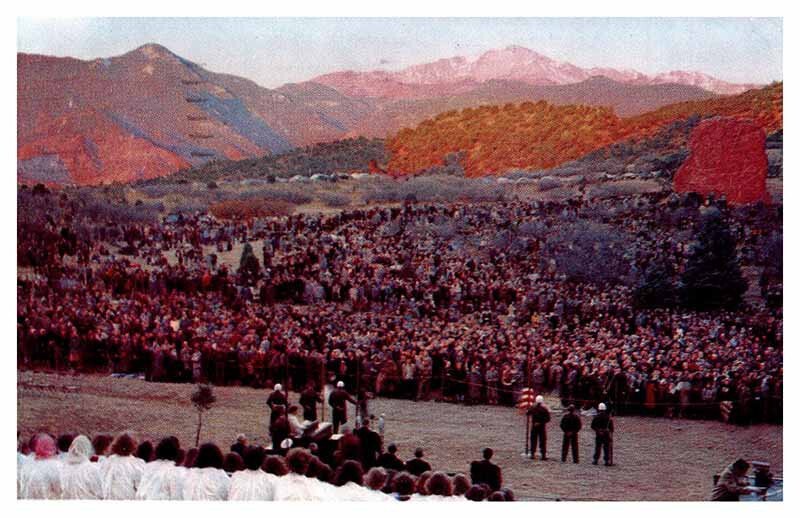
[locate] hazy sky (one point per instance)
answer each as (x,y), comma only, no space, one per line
(274,51)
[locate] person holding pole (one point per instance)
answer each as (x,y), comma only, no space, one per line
(540,416)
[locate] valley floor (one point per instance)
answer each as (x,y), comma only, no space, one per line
(656,459)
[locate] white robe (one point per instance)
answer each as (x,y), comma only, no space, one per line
(206,484)
(21,461)
(252,485)
(352,492)
(81,481)
(121,476)
(40,480)
(161,480)
(416,497)
(299,488)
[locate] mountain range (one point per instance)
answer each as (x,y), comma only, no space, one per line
(150,112)
(513,63)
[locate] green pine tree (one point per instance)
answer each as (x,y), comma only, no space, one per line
(656,288)
(713,279)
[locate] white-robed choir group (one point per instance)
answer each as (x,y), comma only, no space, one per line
(46,474)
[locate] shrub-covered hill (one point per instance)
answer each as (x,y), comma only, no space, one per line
(341,156)
(539,135)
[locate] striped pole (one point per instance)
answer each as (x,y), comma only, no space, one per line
(526,400)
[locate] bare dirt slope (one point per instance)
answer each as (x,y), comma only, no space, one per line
(657,459)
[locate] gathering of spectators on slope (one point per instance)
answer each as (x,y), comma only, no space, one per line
(468,303)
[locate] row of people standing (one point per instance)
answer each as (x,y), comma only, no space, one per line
(539,415)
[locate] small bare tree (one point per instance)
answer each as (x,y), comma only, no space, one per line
(203,399)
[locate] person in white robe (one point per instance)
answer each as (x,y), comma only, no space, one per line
(206,480)
(22,459)
(439,488)
(63,443)
(162,479)
(352,492)
(40,478)
(80,478)
(252,483)
(296,486)
(348,483)
(121,472)
(374,482)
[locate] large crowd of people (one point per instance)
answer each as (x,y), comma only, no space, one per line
(105,468)
(458,302)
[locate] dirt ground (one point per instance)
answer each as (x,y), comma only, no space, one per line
(656,459)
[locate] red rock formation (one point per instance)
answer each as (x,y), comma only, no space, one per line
(727,156)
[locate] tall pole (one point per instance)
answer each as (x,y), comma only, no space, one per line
(358,387)
(324,378)
(527,433)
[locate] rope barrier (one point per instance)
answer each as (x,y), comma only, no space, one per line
(576,400)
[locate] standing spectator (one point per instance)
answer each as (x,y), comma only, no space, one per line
(338,400)
(603,427)
(309,399)
(539,415)
(570,425)
(279,430)
(409,379)
(425,372)
(371,445)
(276,399)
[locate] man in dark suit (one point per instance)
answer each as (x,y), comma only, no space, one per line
(570,425)
(277,399)
(417,466)
(240,445)
(338,401)
(371,445)
(486,472)
(603,427)
(390,460)
(279,429)
(540,416)
(348,447)
(308,400)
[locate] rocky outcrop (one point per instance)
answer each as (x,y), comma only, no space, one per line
(727,157)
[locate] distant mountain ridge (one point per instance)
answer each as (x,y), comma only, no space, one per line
(513,63)
(150,112)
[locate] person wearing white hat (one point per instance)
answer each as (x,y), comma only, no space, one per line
(540,416)
(338,400)
(603,427)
